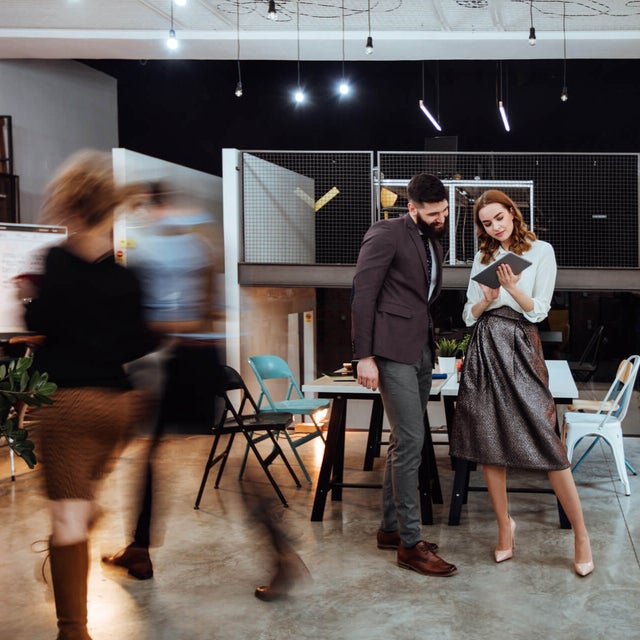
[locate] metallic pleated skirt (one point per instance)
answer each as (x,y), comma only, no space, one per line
(505,414)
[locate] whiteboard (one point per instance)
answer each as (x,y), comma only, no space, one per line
(23,248)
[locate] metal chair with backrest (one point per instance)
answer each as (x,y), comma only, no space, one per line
(269,367)
(255,426)
(583,369)
(605,421)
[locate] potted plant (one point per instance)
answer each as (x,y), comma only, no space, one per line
(463,343)
(447,351)
(20,388)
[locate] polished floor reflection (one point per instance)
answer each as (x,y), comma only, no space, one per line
(209,561)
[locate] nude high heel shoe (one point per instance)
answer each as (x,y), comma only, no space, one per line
(505,554)
(584,568)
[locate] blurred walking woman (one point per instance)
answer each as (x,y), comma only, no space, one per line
(89,310)
(505,414)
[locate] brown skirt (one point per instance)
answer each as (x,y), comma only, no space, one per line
(505,414)
(78,435)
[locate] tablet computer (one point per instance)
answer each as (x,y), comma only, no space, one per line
(489,277)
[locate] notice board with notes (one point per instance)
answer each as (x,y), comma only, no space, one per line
(23,248)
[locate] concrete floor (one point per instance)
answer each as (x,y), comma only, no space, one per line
(211,560)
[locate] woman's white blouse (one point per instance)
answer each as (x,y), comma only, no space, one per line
(537,281)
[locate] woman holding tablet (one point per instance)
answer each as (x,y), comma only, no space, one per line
(505,414)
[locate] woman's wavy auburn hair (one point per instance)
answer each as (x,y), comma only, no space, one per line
(82,192)
(521,238)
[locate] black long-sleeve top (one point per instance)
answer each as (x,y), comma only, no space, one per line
(91,315)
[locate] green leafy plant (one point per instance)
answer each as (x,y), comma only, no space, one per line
(451,347)
(447,347)
(464,343)
(19,388)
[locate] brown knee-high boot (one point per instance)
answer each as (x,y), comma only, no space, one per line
(69,572)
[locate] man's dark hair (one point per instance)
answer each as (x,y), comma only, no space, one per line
(425,187)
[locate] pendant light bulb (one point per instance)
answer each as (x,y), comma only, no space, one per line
(239,89)
(503,115)
(343,88)
(564,96)
(532,36)
(271,14)
(298,96)
(427,113)
(172,41)
(369,46)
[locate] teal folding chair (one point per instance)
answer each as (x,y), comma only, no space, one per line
(275,368)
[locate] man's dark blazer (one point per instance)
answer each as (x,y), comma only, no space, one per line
(390,312)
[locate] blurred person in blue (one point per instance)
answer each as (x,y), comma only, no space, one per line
(90,311)
(175,264)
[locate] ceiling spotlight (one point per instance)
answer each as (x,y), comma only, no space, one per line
(271,14)
(298,96)
(239,85)
(564,96)
(532,30)
(172,41)
(369,46)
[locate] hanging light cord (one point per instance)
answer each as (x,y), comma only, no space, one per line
(298,30)
(369,15)
(564,38)
(437,89)
(238,38)
(343,39)
(531,11)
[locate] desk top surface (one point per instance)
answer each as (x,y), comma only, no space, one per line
(347,385)
(561,382)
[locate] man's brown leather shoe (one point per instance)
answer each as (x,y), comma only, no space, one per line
(424,561)
(391,540)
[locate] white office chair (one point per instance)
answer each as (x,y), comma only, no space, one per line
(606,421)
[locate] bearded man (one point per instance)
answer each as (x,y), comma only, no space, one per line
(398,277)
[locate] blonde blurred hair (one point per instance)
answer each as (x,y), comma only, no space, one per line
(82,192)
(521,237)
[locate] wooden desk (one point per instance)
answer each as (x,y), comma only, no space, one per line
(331,477)
(563,389)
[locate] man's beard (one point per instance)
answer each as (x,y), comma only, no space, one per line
(430,231)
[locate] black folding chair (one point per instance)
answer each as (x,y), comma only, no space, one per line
(583,369)
(256,427)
